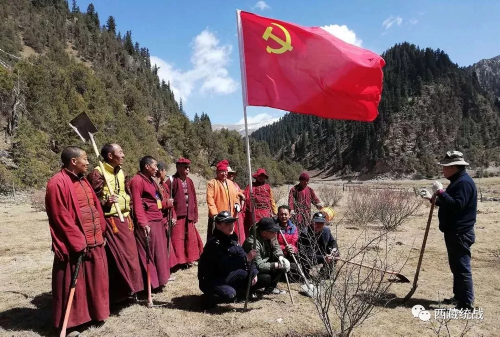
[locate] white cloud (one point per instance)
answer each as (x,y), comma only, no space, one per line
(261,5)
(343,33)
(413,21)
(209,69)
(256,119)
(392,20)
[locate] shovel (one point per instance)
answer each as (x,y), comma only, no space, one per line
(401,278)
(84,128)
(426,234)
(308,288)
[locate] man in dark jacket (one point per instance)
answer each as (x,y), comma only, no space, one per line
(269,260)
(317,246)
(457,217)
(224,267)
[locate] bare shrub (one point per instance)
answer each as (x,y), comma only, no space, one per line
(393,208)
(280,196)
(345,294)
(38,200)
(448,327)
(7,179)
(330,195)
(361,204)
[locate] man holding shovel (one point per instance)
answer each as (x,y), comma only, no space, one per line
(457,217)
(77,227)
(123,259)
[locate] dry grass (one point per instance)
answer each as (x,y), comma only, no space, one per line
(26,263)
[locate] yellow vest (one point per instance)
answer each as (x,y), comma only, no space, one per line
(117,184)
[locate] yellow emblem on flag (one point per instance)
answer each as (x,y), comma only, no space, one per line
(285,45)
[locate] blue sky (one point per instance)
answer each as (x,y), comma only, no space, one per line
(195,43)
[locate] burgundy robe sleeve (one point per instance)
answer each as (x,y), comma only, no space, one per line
(136,188)
(97,203)
(193,195)
(291,203)
(63,224)
(97,182)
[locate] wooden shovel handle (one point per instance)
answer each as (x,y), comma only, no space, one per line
(424,242)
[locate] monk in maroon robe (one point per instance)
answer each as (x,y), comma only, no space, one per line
(300,199)
(263,203)
(239,228)
(123,259)
(186,241)
(77,225)
(147,205)
(168,213)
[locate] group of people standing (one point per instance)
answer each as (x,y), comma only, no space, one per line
(108,230)
(119,227)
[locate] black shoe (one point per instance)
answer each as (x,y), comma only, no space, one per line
(211,301)
(451,300)
(461,306)
(252,297)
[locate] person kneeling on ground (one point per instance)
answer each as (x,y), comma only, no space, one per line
(270,260)
(318,246)
(224,267)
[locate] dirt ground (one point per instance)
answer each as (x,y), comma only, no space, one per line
(26,263)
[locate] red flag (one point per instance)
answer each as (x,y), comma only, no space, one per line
(308,70)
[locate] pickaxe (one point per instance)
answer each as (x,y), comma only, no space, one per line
(84,127)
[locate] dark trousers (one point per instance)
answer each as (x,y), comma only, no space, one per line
(459,255)
(268,281)
(227,290)
(210,227)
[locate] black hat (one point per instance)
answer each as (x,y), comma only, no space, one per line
(268,224)
(224,217)
(319,217)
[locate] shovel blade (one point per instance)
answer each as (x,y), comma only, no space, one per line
(83,126)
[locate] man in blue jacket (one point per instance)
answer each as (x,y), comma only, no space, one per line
(457,217)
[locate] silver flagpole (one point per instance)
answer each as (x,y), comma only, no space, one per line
(247,140)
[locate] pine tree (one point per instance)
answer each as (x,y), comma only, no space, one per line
(111,25)
(128,44)
(74,8)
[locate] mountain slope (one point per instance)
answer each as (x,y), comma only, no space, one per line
(78,64)
(488,74)
(429,105)
(240,128)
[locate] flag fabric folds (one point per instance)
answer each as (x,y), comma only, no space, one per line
(307,70)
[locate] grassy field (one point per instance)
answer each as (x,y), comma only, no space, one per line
(26,263)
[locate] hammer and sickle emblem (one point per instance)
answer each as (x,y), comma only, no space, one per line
(285,45)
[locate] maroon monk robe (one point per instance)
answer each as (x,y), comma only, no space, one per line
(299,201)
(167,213)
(265,206)
(124,269)
(76,223)
(145,193)
(239,226)
(186,241)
